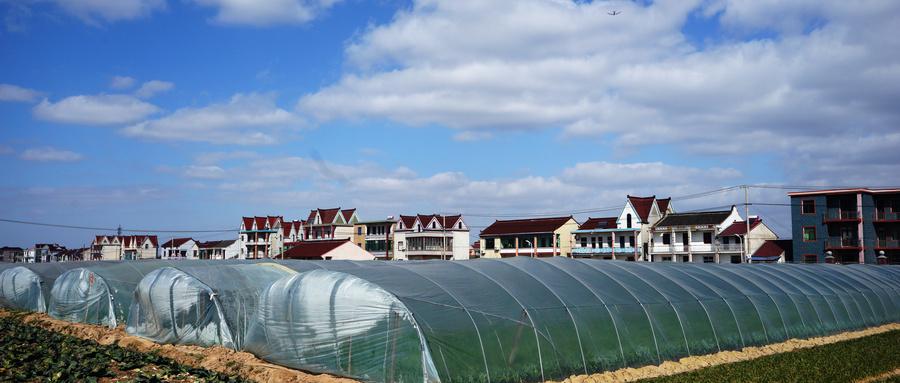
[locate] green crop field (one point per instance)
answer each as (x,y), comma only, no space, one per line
(846,361)
(33,354)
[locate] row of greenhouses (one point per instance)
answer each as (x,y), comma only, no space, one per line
(510,320)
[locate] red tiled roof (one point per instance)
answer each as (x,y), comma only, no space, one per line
(274,220)
(663,204)
(176,242)
(312,216)
(774,248)
(450,220)
(260,222)
(347,213)
(313,249)
(328,215)
(408,221)
(525,226)
(248,223)
(642,205)
(599,223)
(740,227)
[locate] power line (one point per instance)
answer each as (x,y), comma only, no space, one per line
(21,222)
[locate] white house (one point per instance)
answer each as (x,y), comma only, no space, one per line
(732,238)
(260,237)
(124,247)
(693,237)
(180,248)
(625,237)
(327,224)
(431,237)
(224,249)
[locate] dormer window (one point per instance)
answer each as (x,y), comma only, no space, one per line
(628,218)
(434,225)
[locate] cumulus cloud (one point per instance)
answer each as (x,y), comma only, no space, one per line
(153,87)
(104,109)
(50,154)
(245,119)
(96,11)
(121,82)
(266,12)
(827,74)
(9,92)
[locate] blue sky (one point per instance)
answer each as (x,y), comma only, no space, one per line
(158,114)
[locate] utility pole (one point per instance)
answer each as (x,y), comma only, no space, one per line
(747,222)
(443,237)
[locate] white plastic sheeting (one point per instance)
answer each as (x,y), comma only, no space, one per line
(201,305)
(333,322)
(20,288)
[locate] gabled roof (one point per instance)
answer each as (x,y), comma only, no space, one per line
(313,249)
(663,204)
(774,248)
(642,206)
(525,226)
(176,242)
(248,223)
(216,244)
(740,227)
(699,218)
(312,216)
(348,214)
(449,221)
(599,223)
(408,221)
(327,215)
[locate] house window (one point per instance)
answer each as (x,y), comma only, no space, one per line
(628,218)
(685,258)
(631,240)
(707,237)
(583,241)
(667,239)
(434,225)
(359,231)
(725,240)
(709,259)
(809,233)
(622,241)
(667,259)
(459,225)
(810,258)
(488,243)
(808,206)
(593,241)
(609,241)
(735,259)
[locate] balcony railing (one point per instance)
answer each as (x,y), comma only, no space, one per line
(730,247)
(842,243)
(887,216)
(888,244)
(601,250)
(838,215)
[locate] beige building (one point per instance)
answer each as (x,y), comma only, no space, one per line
(124,247)
(533,237)
(327,224)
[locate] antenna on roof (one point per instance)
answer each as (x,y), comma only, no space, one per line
(119,231)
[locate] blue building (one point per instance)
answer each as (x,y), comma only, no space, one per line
(852,225)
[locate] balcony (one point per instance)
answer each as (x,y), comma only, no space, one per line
(730,247)
(887,216)
(839,215)
(887,244)
(682,248)
(529,251)
(600,250)
(843,244)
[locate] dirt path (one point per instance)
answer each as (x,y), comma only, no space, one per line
(692,363)
(217,358)
(880,377)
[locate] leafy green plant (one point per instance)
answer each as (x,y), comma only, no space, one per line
(33,354)
(839,362)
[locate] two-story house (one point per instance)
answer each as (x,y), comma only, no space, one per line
(431,236)
(376,237)
(734,241)
(180,248)
(625,237)
(857,225)
(531,237)
(124,247)
(692,237)
(223,249)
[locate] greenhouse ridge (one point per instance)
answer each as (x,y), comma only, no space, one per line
(520,319)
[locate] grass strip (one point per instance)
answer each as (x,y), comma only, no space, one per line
(33,354)
(846,361)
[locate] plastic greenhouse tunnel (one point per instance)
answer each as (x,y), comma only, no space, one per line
(200,305)
(101,292)
(525,319)
(26,286)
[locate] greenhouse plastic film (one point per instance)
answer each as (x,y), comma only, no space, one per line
(28,286)
(204,305)
(332,322)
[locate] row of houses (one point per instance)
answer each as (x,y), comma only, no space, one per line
(838,225)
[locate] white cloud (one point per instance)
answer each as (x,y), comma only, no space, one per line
(204,172)
(50,154)
(121,82)
(266,12)
(95,11)
(9,92)
(634,79)
(469,135)
(104,109)
(246,119)
(152,88)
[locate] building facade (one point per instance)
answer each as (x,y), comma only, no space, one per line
(731,240)
(694,237)
(328,224)
(261,237)
(601,238)
(186,248)
(376,237)
(851,225)
(124,247)
(224,249)
(431,237)
(533,237)
(12,254)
